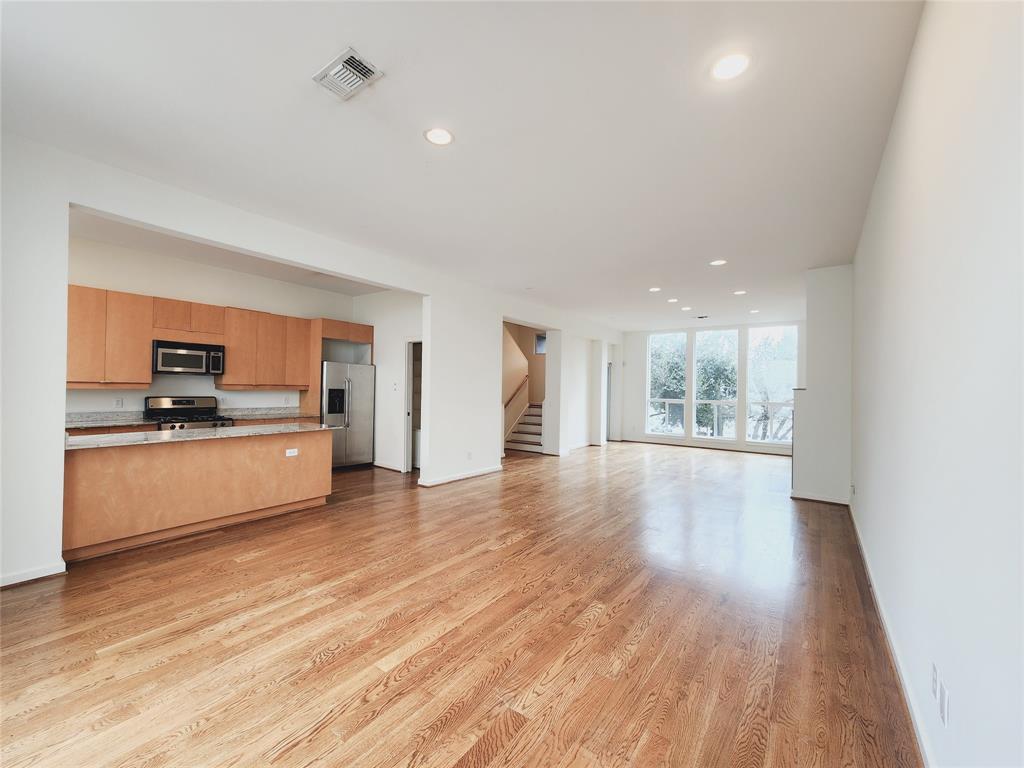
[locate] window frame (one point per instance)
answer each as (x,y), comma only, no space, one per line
(667,400)
(690,436)
(773,405)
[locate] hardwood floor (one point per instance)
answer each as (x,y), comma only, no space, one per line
(632,605)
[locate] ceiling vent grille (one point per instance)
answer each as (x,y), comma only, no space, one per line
(347,74)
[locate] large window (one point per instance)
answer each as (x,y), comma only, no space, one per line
(771,376)
(666,384)
(716,355)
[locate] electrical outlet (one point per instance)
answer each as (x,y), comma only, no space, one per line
(291,451)
(935,682)
(469,455)
(853,489)
(119,402)
(943,703)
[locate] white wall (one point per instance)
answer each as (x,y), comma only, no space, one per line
(397,319)
(576,378)
(822,441)
(462,319)
(101,265)
(616,394)
(937,383)
(598,380)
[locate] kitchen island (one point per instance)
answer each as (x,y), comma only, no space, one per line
(129,489)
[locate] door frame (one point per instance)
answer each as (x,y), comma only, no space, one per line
(407,458)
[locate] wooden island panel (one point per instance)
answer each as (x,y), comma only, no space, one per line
(124,496)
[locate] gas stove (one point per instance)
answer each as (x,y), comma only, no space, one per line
(185,413)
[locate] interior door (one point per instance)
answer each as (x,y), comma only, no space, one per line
(359,449)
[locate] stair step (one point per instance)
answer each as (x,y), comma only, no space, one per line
(529,420)
(528,429)
(523,447)
(519,437)
(536,405)
(532,411)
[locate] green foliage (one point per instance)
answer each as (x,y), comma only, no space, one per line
(668,366)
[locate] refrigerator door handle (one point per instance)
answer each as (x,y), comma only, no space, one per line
(348,405)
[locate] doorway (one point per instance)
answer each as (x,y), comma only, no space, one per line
(608,403)
(413,398)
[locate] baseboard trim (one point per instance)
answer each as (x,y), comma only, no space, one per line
(800,496)
(711,445)
(33,574)
(168,534)
(818,500)
(894,659)
(463,476)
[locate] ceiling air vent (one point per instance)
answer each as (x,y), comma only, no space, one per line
(347,74)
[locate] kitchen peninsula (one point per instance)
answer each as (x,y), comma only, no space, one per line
(127,489)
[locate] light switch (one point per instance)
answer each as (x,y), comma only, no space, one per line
(291,451)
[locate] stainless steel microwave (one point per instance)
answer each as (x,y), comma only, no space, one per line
(182,357)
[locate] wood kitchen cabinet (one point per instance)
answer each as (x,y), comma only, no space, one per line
(87,333)
(270,349)
(360,334)
(241,328)
(172,314)
(129,343)
(207,318)
(296,368)
(110,337)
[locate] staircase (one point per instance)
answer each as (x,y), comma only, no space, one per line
(525,436)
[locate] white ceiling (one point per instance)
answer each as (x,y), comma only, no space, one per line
(86,225)
(593,158)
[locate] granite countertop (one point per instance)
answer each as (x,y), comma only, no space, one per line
(167,436)
(85,419)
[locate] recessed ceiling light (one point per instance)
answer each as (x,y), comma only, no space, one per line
(672,301)
(686,309)
(718,262)
(654,290)
(739,293)
(438,136)
(728,67)
(754,311)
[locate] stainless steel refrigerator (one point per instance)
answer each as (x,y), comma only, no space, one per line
(346,401)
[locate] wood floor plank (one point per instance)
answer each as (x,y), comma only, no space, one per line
(630,605)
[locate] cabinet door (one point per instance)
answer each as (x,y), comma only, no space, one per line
(296,367)
(240,328)
(336,329)
(87,333)
(129,343)
(173,314)
(270,350)
(360,334)
(207,318)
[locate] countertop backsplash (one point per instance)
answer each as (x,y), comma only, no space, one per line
(104,400)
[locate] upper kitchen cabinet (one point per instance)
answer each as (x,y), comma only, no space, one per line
(297,338)
(241,327)
(207,318)
(172,314)
(109,339)
(339,330)
(129,341)
(175,315)
(87,334)
(270,350)
(360,334)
